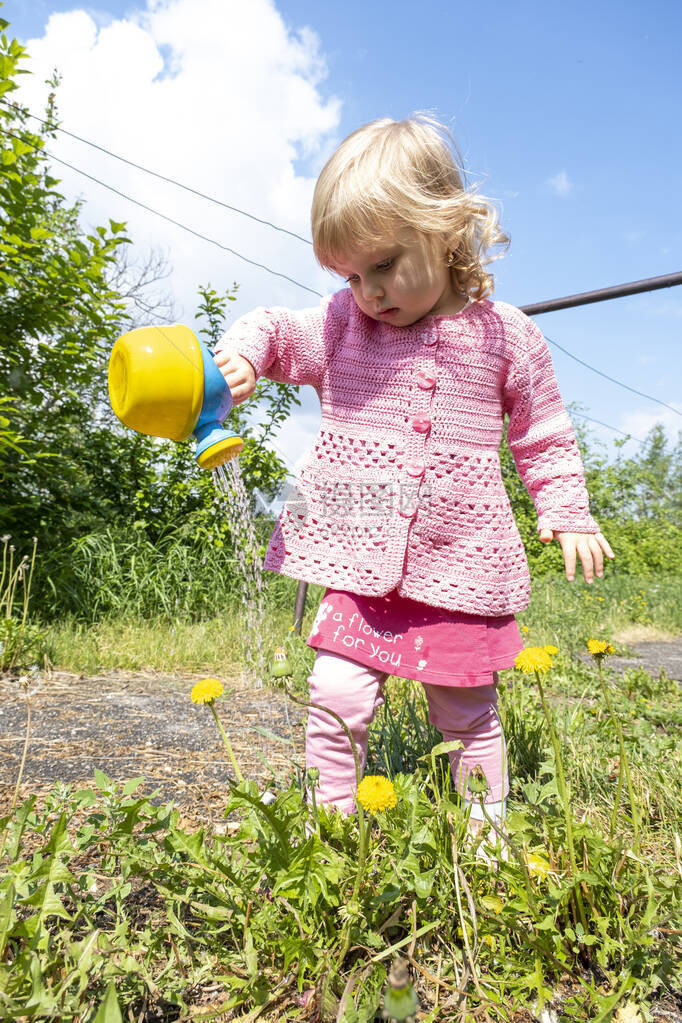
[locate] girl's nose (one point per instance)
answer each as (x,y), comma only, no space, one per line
(371,289)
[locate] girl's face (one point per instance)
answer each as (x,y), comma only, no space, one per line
(401,281)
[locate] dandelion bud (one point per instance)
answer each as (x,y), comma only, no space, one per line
(352,910)
(281,668)
(400,998)
(478,783)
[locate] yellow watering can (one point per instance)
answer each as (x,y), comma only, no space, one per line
(164,382)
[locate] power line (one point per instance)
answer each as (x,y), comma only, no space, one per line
(235,209)
(615,429)
(612,379)
(161,177)
(157,213)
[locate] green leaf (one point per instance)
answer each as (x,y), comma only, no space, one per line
(59,840)
(101,780)
(191,843)
(131,785)
(109,1010)
(18,827)
(212,912)
(85,797)
(40,998)
(423,883)
(7,915)
(48,903)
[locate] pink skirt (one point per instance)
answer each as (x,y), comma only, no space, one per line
(412,640)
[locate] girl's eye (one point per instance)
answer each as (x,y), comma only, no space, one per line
(386,265)
(353,279)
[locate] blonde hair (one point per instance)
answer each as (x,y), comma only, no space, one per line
(391,175)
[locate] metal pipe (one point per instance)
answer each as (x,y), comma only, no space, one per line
(602,294)
(299,610)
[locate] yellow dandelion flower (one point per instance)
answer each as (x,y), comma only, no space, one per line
(493,903)
(551,650)
(206,691)
(376,793)
(524,628)
(533,658)
(599,647)
(538,866)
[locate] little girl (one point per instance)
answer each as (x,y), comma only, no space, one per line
(400,508)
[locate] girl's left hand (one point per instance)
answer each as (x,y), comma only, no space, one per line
(589,547)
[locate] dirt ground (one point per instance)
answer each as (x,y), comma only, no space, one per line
(655,656)
(131,725)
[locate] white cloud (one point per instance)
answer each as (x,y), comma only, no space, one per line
(560,184)
(218,94)
(639,422)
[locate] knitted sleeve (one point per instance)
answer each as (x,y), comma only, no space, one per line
(290,346)
(541,438)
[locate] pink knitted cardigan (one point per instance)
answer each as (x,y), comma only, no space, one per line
(402,487)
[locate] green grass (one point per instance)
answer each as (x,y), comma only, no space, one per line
(105,901)
(621,608)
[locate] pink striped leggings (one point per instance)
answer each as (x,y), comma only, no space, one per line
(354,691)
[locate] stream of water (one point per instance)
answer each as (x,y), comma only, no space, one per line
(249,566)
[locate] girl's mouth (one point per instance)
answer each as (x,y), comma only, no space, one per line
(388,312)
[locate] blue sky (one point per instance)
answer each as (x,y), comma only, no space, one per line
(567,114)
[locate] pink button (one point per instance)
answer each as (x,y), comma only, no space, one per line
(414,468)
(425,380)
(430,339)
(422,424)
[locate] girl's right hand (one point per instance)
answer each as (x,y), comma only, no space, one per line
(239,374)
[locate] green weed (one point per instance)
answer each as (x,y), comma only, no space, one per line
(108,905)
(22,642)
